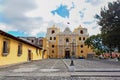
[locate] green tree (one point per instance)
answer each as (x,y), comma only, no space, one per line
(109,19)
(95,42)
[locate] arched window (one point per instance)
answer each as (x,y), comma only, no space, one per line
(53,46)
(67,40)
(81,51)
(83,38)
(81,46)
(50,38)
(52,51)
(53,31)
(79,38)
(81,31)
(54,38)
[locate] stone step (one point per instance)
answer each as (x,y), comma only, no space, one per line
(95,74)
(97,70)
(65,74)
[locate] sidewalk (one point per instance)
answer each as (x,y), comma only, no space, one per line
(92,66)
(59,70)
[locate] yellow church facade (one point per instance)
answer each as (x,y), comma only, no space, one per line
(14,50)
(56,44)
(68,43)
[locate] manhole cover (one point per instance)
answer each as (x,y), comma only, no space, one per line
(49,70)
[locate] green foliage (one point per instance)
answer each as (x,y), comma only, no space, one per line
(95,42)
(109,19)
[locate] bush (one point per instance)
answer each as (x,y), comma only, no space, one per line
(81,57)
(118,58)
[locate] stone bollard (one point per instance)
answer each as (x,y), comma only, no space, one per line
(72,68)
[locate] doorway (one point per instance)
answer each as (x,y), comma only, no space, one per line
(29,55)
(67,54)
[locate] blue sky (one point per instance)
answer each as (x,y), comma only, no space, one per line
(33,17)
(17,33)
(62,11)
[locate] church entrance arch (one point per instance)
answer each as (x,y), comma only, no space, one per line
(67,53)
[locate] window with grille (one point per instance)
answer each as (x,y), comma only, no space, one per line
(19,49)
(6,44)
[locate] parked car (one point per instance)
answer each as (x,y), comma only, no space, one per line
(81,57)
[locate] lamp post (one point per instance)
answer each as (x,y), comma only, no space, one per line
(72,67)
(72,62)
(48,49)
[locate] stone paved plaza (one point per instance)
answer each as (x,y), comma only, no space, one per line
(58,69)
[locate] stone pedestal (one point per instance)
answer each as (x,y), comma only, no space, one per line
(71,68)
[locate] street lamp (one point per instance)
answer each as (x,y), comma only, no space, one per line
(72,67)
(72,62)
(48,48)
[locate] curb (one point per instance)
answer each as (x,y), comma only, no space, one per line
(67,66)
(95,75)
(92,70)
(70,68)
(97,70)
(15,64)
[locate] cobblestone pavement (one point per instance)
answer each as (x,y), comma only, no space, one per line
(60,78)
(57,69)
(93,64)
(38,66)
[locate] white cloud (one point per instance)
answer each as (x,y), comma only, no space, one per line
(6,27)
(34,16)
